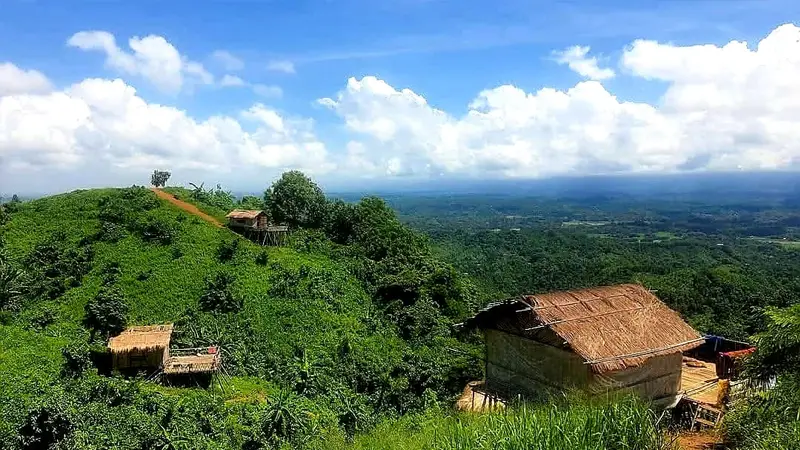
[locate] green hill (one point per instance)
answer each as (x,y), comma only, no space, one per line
(316,327)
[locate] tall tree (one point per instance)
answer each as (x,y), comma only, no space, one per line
(295,200)
(159,178)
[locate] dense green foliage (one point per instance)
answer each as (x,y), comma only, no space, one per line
(342,339)
(771,419)
(699,256)
(295,200)
(318,321)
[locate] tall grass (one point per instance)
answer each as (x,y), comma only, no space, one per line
(619,424)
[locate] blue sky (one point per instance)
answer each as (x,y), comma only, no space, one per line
(445,51)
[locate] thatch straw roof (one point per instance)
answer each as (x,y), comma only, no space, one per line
(244,214)
(141,338)
(610,327)
(199,363)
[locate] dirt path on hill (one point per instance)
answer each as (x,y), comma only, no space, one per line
(188,207)
(703,440)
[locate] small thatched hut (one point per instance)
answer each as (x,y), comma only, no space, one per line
(141,347)
(244,218)
(602,339)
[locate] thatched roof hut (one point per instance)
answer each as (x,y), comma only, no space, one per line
(141,346)
(244,214)
(602,338)
(246,218)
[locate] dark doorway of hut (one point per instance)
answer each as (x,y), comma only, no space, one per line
(256,226)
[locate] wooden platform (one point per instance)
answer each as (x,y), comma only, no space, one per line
(186,364)
(700,384)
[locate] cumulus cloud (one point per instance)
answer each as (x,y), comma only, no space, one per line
(105,121)
(227,60)
(14,80)
(151,57)
(281,66)
(576,58)
(728,107)
(232,80)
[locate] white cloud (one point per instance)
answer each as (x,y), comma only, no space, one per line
(227,60)
(724,107)
(105,122)
(575,57)
(267,90)
(151,57)
(281,66)
(232,80)
(14,80)
(728,107)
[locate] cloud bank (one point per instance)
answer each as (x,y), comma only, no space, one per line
(725,107)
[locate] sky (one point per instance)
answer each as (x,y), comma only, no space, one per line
(358,93)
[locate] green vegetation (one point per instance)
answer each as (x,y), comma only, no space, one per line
(578,424)
(344,335)
(342,339)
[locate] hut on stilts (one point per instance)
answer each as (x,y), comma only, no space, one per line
(147,348)
(255,225)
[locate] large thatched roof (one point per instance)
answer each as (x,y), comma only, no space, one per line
(610,327)
(141,338)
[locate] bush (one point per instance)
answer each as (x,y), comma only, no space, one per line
(217,296)
(262,258)
(44,428)
(110,232)
(227,249)
(106,314)
(13,287)
(156,230)
(76,360)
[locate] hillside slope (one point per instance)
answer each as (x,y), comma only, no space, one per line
(308,340)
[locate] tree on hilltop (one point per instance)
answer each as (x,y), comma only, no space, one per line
(159,178)
(295,200)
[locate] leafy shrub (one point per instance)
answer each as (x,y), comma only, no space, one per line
(55,266)
(217,296)
(155,230)
(13,286)
(110,273)
(176,252)
(106,314)
(227,249)
(144,275)
(110,232)
(42,317)
(76,360)
(44,428)
(262,258)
